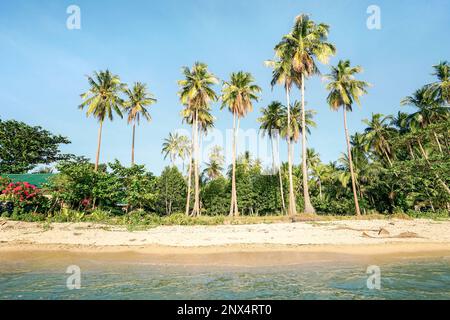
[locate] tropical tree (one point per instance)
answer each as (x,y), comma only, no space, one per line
(271,121)
(377,135)
(196,93)
(306,42)
(215,165)
(238,95)
(136,106)
(441,88)
(284,74)
(344,91)
(174,147)
(102,100)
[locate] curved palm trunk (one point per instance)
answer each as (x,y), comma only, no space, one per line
(274,168)
(188,197)
(438,142)
(98,145)
(233,204)
(292,210)
(132,144)
(350,160)
(196,210)
(308,206)
(442,182)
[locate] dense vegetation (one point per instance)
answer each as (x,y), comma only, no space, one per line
(399,163)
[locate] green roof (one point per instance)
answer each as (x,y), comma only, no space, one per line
(37,179)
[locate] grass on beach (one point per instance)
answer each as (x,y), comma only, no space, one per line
(139,220)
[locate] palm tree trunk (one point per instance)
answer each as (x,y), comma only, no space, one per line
(98,145)
(438,143)
(292,205)
(233,204)
(196,210)
(188,197)
(442,182)
(283,205)
(132,144)
(350,160)
(411,152)
(320,189)
(387,157)
(308,206)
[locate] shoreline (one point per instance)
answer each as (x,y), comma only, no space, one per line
(278,244)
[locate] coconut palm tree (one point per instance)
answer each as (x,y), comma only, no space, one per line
(271,125)
(238,95)
(284,74)
(344,91)
(306,42)
(196,93)
(441,88)
(429,110)
(174,147)
(215,165)
(377,135)
(102,100)
(136,106)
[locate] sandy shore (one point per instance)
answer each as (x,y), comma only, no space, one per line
(249,245)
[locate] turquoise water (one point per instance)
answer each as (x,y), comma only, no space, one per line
(419,279)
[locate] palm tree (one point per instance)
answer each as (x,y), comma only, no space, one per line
(238,95)
(430,110)
(102,100)
(215,165)
(283,73)
(138,99)
(174,147)
(377,135)
(441,88)
(344,91)
(307,41)
(196,93)
(271,125)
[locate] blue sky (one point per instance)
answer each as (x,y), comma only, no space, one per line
(43,64)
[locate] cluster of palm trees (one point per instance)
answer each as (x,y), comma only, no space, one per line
(103,100)
(296,60)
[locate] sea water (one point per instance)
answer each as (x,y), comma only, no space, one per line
(409,279)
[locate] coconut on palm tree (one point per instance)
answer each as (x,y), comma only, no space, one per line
(102,100)
(345,90)
(136,106)
(270,124)
(238,95)
(196,93)
(306,43)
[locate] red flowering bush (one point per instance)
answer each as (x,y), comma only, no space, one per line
(22,194)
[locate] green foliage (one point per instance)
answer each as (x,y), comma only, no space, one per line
(171,191)
(23,147)
(216,197)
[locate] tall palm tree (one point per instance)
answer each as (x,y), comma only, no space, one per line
(102,100)
(306,42)
(284,74)
(377,135)
(441,88)
(136,106)
(238,95)
(271,125)
(344,91)
(196,93)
